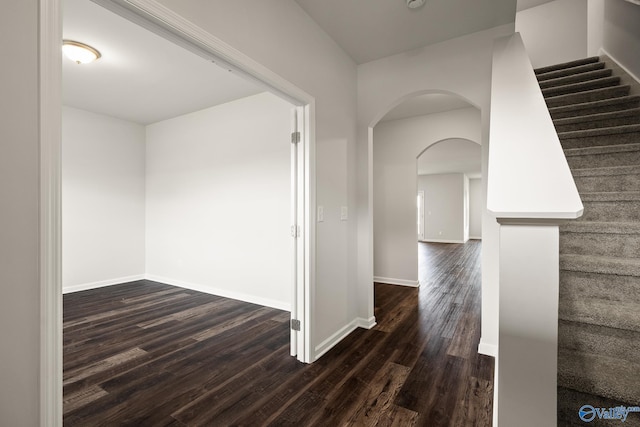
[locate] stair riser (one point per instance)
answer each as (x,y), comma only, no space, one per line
(595,124)
(600,244)
(590,184)
(575,78)
(579,290)
(570,402)
(599,340)
(581,87)
(593,141)
(595,110)
(588,96)
(620,211)
(597,376)
(626,158)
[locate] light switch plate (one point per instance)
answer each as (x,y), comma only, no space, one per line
(344,213)
(320,213)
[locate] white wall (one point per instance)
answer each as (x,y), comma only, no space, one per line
(460,66)
(218,201)
(444,207)
(103,206)
(19,217)
(476,207)
(621,33)
(554,32)
(595,26)
(396,147)
(282,37)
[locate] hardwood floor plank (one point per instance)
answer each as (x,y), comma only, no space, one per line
(149,354)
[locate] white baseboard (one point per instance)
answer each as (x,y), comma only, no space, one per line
(334,339)
(488,349)
(369,323)
(475,237)
(392,281)
(221,292)
(441,241)
(101,284)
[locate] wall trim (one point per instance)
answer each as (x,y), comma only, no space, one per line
(442,241)
(475,237)
(369,323)
(102,283)
(393,281)
(335,338)
(487,349)
(267,302)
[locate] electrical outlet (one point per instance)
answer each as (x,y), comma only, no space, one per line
(320,213)
(344,213)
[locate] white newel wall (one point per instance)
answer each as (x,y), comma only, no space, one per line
(218,201)
(103,185)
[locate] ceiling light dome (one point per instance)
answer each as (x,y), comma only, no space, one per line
(414,4)
(79,53)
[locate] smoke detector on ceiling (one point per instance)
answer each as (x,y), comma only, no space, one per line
(414,4)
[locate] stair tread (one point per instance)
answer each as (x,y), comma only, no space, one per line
(569,152)
(602,375)
(571,71)
(598,91)
(620,315)
(599,339)
(611,130)
(574,78)
(606,171)
(601,227)
(595,104)
(610,196)
(565,65)
(600,264)
(578,87)
(597,117)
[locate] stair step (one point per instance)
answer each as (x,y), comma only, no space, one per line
(600,299)
(604,376)
(595,107)
(600,120)
(614,206)
(581,86)
(579,69)
(601,265)
(614,135)
(594,238)
(565,65)
(598,157)
(615,178)
(588,96)
(575,78)
(601,340)
(570,402)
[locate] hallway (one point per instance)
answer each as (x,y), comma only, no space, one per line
(150,354)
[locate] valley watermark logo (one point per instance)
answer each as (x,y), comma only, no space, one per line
(588,413)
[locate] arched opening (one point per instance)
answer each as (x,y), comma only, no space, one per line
(399,137)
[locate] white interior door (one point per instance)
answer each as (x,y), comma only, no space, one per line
(420,214)
(297,226)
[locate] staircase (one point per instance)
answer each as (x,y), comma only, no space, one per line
(597,118)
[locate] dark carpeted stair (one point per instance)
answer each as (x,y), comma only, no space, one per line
(598,124)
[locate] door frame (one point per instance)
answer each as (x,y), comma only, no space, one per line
(150,13)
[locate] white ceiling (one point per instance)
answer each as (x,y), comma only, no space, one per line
(372,29)
(141,77)
(425,104)
(451,156)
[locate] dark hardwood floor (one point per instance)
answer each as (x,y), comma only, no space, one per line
(148,354)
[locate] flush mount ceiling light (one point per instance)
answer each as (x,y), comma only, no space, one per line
(79,53)
(414,4)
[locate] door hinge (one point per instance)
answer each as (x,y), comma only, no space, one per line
(295,231)
(295,137)
(295,324)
